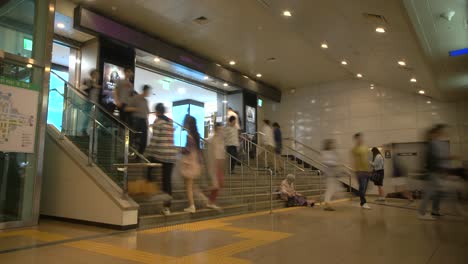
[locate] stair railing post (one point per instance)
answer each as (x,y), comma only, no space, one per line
(349,187)
(248,154)
(63,131)
(242,183)
(92,136)
(320,186)
(126,150)
(271,191)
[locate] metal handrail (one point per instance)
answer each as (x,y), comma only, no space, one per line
(98,123)
(304,145)
(267,151)
(83,96)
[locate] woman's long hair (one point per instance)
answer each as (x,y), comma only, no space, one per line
(190,123)
(375,152)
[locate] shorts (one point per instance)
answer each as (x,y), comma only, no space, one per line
(377,177)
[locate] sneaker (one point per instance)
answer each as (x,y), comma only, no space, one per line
(166,211)
(328,208)
(213,206)
(426,217)
(436,214)
(365,206)
(380,199)
(190,209)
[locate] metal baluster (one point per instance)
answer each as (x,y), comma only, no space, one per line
(126,150)
(242,183)
(320,186)
(271,191)
(65,112)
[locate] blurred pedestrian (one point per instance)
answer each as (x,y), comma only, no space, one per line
(162,150)
(437,165)
(93,91)
(216,161)
(377,164)
(231,137)
(330,159)
(268,142)
(191,160)
(359,155)
(138,106)
(278,137)
(122,93)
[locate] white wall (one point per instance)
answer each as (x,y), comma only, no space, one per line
(72,190)
(385,115)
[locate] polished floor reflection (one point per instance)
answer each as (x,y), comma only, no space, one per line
(389,233)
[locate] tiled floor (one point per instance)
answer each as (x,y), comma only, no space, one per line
(386,234)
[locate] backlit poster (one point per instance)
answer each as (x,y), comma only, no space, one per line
(112,74)
(251,120)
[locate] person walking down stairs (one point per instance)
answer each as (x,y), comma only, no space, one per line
(231,135)
(162,150)
(215,163)
(268,143)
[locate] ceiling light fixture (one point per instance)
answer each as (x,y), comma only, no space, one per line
(413,80)
(380,30)
(287,13)
(428,102)
(422,92)
(206,78)
(359,75)
(259,75)
(372,87)
(225,102)
(60,25)
(232,62)
(324,46)
(157,59)
(29,65)
(226,85)
(343,62)
(245,76)
(402,63)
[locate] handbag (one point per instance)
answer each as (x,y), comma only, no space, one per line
(190,167)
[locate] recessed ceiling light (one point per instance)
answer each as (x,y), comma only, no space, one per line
(206,78)
(60,25)
(428,102)
(29,65)
(287,13)
(324,46)
(402,63)
(232,62)
(359,75)
(245,76)
(422,92)
(380,30)
(259,75)
(226,85)
(225,102)
(343,62)
(217,64)
(157,59)
(372,87)
(413,80)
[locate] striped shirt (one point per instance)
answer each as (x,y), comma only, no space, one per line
(162,141)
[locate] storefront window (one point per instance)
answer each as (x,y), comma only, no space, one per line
(17,27)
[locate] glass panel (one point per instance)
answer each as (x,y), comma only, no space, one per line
(55,110)
(17,26)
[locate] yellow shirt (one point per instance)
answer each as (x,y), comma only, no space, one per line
(360,158)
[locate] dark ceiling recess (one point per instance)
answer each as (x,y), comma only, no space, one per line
(201,20)
(375,18)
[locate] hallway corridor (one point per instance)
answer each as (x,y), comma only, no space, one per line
(386,234)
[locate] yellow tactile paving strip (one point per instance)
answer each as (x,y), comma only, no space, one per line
(224,254)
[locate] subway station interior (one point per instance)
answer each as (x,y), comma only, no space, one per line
(233,131)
